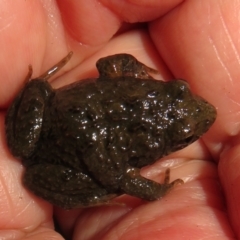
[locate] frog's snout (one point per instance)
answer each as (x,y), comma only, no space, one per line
(206,115)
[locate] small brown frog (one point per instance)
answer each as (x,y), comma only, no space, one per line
(85,143)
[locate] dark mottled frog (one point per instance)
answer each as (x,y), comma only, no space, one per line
(84,143)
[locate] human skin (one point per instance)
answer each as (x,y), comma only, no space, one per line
(193,40)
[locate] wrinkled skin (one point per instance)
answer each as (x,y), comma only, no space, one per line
(84,143)
(197,41)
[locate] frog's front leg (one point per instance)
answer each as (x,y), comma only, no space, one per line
(65,187)
(136,185)
(123,64)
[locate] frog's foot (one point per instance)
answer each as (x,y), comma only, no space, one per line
(120,65)
(167,183)
(136,185)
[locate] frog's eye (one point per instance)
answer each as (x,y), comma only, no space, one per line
(178,90)
(25,118)
(184,90)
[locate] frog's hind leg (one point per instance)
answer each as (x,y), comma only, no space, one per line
(136,185)
(64,187)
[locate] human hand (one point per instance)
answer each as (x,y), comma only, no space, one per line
(193,40)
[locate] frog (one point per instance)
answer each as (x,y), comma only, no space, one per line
(84,144)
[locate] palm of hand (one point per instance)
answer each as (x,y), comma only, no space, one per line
(187,52)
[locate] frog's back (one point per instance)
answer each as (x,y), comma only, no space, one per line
(126,116)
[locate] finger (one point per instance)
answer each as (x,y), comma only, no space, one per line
(229,171)
(140,11)
(29,30)
(95,22)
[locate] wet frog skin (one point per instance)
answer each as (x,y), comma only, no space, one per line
(85,143)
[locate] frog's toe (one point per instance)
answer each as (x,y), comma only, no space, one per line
(167,185)
(167,179)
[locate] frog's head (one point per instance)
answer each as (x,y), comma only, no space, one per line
(191,116)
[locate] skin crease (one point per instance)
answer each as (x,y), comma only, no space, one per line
(194,40)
